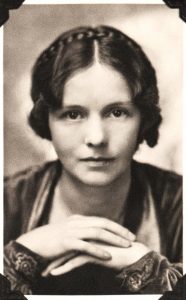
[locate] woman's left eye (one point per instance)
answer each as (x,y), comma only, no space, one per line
(117,113)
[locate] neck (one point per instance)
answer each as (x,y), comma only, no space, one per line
(105,201)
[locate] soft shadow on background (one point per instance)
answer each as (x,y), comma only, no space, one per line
(33,27)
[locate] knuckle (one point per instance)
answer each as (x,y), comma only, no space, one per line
(91,249)
(124,232)
(98,233)
(83,246)
(127,232)
(65,244)
(95,250)
(72,219)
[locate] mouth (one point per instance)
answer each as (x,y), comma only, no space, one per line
(98,161)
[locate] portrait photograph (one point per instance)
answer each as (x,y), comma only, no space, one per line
(92,138)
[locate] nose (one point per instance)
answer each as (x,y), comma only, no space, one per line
(95,132)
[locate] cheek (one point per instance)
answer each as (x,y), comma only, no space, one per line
(64,140)
(124,137)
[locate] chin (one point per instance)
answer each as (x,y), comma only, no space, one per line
(97,180)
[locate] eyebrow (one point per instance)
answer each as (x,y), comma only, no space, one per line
(72,107)
(119,103)
(108,106)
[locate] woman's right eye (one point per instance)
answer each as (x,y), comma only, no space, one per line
(72,115)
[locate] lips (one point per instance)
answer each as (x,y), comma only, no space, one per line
(98,159)
(97,162)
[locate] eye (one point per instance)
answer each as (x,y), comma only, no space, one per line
(118,113)
(72,115)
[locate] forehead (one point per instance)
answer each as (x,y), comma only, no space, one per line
(98,83)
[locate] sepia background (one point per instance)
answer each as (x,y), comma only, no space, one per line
(33,27)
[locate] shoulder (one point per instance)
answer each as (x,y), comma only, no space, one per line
(165,185)
(23,186)
(166,191)
(157,175)
(33,174)
(20,191)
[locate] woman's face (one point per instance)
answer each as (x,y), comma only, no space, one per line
(95,132)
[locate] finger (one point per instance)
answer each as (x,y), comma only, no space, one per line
(58,262)
(99,234)
(105,224)
(73,264)
(88,248)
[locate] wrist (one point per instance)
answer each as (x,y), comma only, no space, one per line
(24,261)
(136,276)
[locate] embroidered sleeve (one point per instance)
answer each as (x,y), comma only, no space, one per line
(152,274)
(22,267)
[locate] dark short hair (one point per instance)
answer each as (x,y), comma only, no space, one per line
(75,50)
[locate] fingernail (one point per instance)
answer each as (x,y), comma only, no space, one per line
(53,273)
(107,255)
(44,274)
(131,236)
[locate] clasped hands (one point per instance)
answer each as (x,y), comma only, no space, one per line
(83,239)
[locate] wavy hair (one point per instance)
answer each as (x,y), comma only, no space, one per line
(75,50)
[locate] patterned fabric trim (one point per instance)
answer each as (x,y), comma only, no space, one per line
(151,271)
(22,266)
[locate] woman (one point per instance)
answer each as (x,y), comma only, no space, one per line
(94,221)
